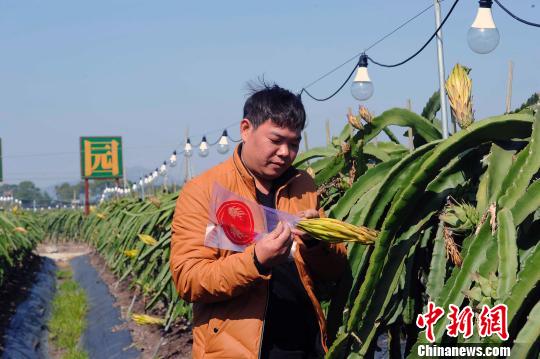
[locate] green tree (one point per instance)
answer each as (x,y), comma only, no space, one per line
(45,200)
(65,192)
(27,192)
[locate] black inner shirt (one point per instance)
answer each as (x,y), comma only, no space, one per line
(290,327)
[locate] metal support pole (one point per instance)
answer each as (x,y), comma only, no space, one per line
(187,163)
(142,190)
(509,87)
(328,136)
(124,175)
(165,183)
(440,57)
(86,197)
(117,181)
(410,131)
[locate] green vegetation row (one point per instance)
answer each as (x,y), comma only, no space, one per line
(68,317)
(133,236)
(20,232)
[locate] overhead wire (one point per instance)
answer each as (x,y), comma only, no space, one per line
(356,56)
(515,16)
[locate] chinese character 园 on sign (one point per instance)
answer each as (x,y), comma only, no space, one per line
(101,157)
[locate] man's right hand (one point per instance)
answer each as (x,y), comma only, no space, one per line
(274,248)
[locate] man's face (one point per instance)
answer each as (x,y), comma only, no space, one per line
(269,149)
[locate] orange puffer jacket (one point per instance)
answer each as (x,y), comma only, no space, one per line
(229,295)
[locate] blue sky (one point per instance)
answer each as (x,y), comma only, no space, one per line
(146,70)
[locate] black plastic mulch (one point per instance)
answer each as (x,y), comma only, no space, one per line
(26,336)
(99,340)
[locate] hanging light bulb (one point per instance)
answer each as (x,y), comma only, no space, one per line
(483,37)
(223,144)
(362,87)
(140,181)
(163,169)
(155,173)
(188,151)
(172,159)
(134,187)
(203,148)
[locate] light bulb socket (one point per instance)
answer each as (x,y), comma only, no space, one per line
(363,61)
(485,3)
(225,133)
(204,139)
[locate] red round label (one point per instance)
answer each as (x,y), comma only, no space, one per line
(236,219)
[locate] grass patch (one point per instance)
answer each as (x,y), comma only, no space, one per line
(68,319)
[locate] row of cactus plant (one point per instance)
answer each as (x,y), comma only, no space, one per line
(454,214)
(20,232)
(459,224)
(133,237)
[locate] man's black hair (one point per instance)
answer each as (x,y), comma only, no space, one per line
(271,102)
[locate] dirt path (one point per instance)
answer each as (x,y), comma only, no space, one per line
(177,342)
(62,252)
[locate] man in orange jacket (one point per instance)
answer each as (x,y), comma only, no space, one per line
(260,302)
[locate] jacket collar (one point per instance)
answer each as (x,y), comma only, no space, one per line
(278,183)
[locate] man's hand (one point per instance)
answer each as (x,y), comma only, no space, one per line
(274,248)
(306,238)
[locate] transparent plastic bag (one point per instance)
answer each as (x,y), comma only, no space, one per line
(236,222)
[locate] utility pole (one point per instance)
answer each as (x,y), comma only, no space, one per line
(124,175)
(409,131)
(328,138)
(509,86)
(440,58)
(86,197)
(187,167)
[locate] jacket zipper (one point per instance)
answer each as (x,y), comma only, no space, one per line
(264,318)
(301,278)
(268,283)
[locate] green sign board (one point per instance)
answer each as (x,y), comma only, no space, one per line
(101,157)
